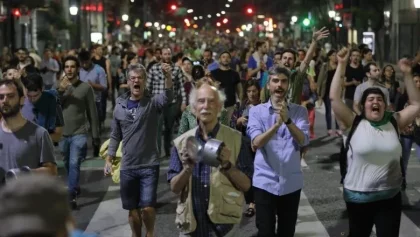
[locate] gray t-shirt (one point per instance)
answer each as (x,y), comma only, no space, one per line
(136,126)
(362,87)
(29,146)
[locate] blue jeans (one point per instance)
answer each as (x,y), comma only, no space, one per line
(73,149)
(406,143)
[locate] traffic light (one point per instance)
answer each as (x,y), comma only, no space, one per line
(16,12)
(306,22)
(173,7)
(250,10)
(187,22)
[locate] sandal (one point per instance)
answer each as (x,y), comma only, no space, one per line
(250,212)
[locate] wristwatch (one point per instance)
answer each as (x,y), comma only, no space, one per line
(289,121)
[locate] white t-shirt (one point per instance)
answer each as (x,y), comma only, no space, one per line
(373,159)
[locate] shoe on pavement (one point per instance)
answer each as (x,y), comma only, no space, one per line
(73,204)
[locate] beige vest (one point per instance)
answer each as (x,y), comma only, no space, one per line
(225,202)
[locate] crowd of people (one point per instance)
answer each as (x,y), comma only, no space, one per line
(259,103)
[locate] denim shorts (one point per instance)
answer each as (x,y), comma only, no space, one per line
(138,187)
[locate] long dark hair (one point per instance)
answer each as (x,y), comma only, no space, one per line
(392,76)
(248,84)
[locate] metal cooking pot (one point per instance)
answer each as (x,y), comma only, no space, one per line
(209,154)
(15,173)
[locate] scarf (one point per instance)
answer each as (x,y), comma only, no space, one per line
(387,117)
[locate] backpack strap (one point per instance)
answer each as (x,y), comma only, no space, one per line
(345,147)
(395,124)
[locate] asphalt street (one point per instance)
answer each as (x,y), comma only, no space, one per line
(321,212)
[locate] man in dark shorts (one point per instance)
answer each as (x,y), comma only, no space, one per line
(134,123)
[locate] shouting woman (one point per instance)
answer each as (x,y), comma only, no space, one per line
(371,169)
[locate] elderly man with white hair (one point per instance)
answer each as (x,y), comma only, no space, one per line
(211,198)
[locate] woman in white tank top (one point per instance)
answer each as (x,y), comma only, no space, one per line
(372,182)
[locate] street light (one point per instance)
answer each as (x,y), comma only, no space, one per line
(73,10)
(331,14)
(417,4)
(124,17)
(294,19)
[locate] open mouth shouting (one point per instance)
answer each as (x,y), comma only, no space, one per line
(136,88)
(375,108)
(279,92)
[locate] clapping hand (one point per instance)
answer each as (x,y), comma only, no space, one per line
(283,113)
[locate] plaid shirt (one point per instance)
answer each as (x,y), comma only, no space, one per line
(156,82)
(201,185)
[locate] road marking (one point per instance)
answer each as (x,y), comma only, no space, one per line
(109,219)
(406,225)
(308,223)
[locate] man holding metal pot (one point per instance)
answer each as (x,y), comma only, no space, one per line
(210,168)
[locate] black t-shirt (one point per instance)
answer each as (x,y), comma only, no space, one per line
(101,62)
(330,76)
(228,80)
(400,103)
(416,69)
(356,73)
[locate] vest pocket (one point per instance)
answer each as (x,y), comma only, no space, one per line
(231,207)
(181,217)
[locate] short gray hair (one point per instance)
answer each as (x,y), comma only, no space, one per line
(137,68)
(276,70)
(193,98)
